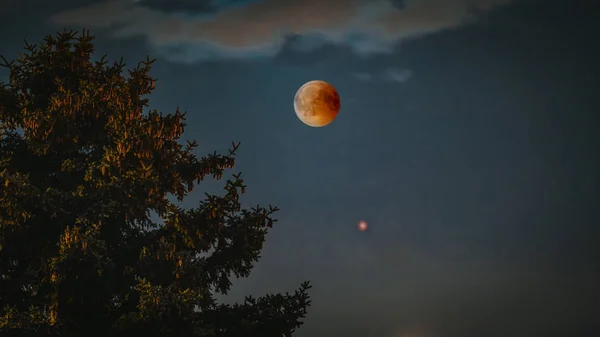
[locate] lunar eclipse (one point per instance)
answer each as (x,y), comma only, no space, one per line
(317,103)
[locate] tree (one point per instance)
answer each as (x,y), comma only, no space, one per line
(82,167)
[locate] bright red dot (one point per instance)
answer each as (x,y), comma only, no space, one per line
(362,226)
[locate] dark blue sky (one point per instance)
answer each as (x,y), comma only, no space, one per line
(477,168)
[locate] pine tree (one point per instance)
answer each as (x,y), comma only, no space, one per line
(83,165)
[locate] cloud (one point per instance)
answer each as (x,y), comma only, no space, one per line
(189,31)
(192,6)
(400,75)
(397,75)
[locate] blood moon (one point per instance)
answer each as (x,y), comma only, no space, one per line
(362,225)
(317,103)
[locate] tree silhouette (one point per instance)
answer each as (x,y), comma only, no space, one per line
(82,167)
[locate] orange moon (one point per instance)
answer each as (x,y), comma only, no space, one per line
(317,103)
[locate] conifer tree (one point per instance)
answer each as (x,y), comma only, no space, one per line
(83,164)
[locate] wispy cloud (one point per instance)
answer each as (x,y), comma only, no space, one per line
(189,31)
(398,75)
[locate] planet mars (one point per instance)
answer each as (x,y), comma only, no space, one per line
(317,103)
(363,226)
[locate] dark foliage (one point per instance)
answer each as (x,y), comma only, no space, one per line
(82,166)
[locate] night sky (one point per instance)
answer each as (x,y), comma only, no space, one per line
(467,139)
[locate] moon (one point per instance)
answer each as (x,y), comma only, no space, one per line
(317,103)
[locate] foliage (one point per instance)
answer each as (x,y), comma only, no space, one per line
(82,166)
